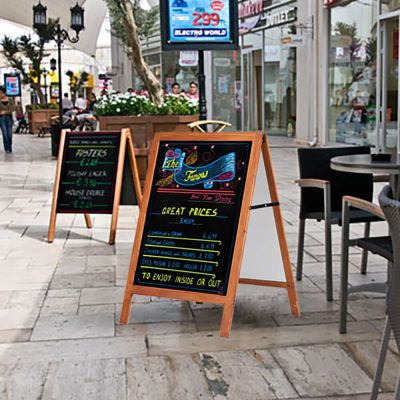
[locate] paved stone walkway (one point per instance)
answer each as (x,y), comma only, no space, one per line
(60,304)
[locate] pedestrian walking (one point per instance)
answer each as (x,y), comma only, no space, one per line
(7,107)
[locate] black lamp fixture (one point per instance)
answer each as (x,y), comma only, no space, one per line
(39,16)
(53,64)
(60,36)
(77,18)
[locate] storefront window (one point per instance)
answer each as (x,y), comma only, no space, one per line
(390,5)
(179,66)
(227,87)
(279,84)
(352,73)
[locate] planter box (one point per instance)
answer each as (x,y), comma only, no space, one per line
(143,130)
(40,119)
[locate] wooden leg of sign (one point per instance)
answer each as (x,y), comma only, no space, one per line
(291,289)
(134,167)
(227,317)
(53,214)
(52,227)
(126,308)
(88,221)
(118,186)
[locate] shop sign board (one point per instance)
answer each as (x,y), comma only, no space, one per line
(199,24)
(12,83)
(293,40)
(340,41)
(272,53)
(222,62)
(188,58)
(254,16)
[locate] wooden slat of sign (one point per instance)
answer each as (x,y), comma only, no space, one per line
(293,300)
(266,233)
(89,176)
(190,234)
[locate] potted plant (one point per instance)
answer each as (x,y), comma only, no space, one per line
(39,116)
(145,118)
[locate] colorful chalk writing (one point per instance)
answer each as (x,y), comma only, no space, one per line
(192,217)
(88,174)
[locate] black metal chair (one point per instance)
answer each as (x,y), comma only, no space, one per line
(381,246)
(391,209)
(322,190)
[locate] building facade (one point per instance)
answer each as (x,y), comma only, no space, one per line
(319,71)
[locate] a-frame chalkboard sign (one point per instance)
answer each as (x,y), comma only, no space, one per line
(92,169)
(191,232)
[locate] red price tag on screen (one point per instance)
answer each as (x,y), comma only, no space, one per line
(205,19)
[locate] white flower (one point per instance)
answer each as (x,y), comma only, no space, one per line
(118,110)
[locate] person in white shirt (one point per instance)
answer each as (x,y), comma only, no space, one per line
(80,104)
(66,103)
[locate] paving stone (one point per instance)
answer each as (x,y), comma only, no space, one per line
(61,293)
(159,312)
(101,261)
(72,265)
(54,306)
(313,370)
(308,318)
(156,378)
(89,380)
(244,317)
(93,296)
(365,309)
(259,338)
(367,353)
(226,373)
(22,381)
(142,330)
(66,281)
(78,349)
(27,298)
(96,310)
(18,318)
(73,327)
(5,297)
(15,335)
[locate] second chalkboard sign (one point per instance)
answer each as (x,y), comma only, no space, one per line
(91,168)
(88,176)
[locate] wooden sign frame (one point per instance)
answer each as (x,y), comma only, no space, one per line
(289,285)
(125,144)
(260,146)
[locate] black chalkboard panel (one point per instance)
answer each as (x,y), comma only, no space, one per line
(88,172)
(128,192)
(192,216)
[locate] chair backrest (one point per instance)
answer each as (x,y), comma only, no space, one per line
(391,209)
(315,163)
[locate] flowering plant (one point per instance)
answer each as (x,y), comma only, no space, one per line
(139,104)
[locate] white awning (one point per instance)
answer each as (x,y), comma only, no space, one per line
(21,12)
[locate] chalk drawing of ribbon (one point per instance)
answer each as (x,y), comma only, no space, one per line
(221,170)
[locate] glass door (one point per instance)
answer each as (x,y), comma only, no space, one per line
(388,127)
(251,90)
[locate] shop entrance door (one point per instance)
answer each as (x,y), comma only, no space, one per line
(388,65)
(252,90)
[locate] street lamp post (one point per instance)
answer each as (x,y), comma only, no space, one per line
(60,36)
(44,73)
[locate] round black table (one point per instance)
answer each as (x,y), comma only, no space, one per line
(363,164)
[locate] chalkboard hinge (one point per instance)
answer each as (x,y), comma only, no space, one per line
(265,205)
